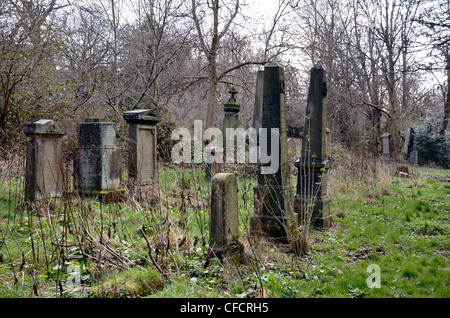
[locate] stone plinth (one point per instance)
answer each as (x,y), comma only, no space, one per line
(44,177)
(142,162)
(97,160)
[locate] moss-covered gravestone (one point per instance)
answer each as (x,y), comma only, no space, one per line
(224,222)
(142,164)
(44,167)
(97,160)
(311,200)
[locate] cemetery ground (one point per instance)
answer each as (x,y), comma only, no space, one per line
(153,242)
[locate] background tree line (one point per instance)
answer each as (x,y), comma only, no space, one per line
(68,60)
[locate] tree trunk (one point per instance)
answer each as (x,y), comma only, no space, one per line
(211,110)
(447,102)
(375,133)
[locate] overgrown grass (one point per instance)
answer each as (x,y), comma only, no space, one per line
(398,224)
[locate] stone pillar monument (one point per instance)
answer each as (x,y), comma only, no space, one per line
(231,120)
(236,141)
(274,193)
(224,222)
(142,163)
(231,108)
(97,160)
(44,167)
(311,200)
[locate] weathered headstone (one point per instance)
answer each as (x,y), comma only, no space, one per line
(311,200)
(413,158)
(142,162)
(224,222)
(386,144)
(44,167)
(408,146)
(274,193)
(97,160)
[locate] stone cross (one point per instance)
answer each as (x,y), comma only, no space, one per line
(44,166)
(142,162)
(224,222)
(273,195)
(97,160)
(311,200)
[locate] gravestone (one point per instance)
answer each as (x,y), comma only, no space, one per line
(311,200)
(274,193)
(413,158)
(386,145)
(44,166)
(224,222)
(97,160)
(408,146)
(142,162)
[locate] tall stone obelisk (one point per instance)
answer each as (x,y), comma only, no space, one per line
(274,193)
(311,200)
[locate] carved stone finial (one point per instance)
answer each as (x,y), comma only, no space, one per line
(232,105)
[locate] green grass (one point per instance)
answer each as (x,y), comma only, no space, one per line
(402,226)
